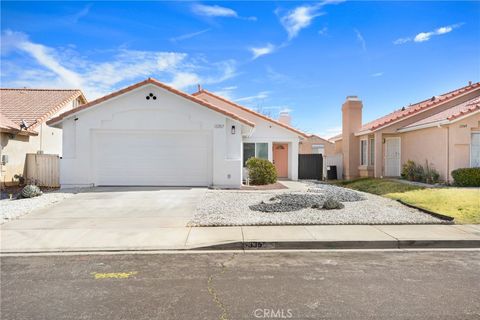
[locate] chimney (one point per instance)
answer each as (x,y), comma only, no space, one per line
(285,118)
(351,123)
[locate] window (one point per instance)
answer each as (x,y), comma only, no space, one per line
(363,152)
(318,149)
(258,150)
(371,158)
(475,150)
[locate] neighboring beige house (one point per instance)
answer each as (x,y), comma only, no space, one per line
(443,130)
(315,144)
(23,113)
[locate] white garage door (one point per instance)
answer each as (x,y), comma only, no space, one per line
(152,158)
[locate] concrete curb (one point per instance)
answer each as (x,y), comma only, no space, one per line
(284,245)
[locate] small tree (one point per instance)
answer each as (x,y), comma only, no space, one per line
(261,171)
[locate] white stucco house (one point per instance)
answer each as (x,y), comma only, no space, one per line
(152,134)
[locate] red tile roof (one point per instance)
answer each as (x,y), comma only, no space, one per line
(303,134)
(7,125)
(450,114)
(158,84)
(417,107)
(34,106)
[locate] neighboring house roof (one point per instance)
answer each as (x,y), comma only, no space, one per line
(34,106)
(158,84)
(336,138)
(314,136)
(251,112)
(7,125)
(412,109)
(417,107)
(466,108)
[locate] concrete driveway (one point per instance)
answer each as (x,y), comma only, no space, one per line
(106,218)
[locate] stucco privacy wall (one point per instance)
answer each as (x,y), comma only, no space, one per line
(133,112)
(264,131)
(48,140)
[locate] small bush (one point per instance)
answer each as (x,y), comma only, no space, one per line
(412,172)
(30,191)
(466,177)
(415,172)
(261,171)
(431,175)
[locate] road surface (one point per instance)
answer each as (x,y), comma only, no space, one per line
(259,285)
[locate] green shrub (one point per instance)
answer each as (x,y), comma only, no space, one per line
(261,171)
(30,191)
(466,177)
(413,172)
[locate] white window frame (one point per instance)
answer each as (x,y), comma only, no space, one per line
(255,149)
(471,153)
(320,146)
(366,152)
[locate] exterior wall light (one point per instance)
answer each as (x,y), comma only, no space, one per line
(233,130)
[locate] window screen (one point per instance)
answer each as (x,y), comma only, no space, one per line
(261,150)
(363,152)
(475,150)
(248,152)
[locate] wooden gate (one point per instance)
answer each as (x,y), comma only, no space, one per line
(310,166)
(42,170)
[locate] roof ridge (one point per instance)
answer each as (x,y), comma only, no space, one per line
(418,106)
(38,89)
(139,84)
(250,110)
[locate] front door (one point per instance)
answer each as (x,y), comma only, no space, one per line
(280,159)
(392,157)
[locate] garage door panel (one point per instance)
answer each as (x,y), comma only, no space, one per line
(153,158)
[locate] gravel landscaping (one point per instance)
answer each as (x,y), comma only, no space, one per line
(12,209)
(238,208)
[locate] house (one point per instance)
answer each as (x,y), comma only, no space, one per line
(152,134)
(316,145)
(23,113)
(443,130)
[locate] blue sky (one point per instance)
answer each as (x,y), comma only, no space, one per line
(302,56)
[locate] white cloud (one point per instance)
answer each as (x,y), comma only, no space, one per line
(217,11)
(361,40)
(213,11)
(323,31)
(261,51)
(301,17)
(425,36)
(259,96)
(55,67)
(189,35)
(377,74)
(330,132)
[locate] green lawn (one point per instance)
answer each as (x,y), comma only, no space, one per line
(462,204)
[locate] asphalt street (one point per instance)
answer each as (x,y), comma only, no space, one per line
(253,285)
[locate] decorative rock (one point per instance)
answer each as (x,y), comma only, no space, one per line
(332,204)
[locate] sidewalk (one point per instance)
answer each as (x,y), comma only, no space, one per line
(248,238)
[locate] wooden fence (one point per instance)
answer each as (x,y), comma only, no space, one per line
(43,169)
